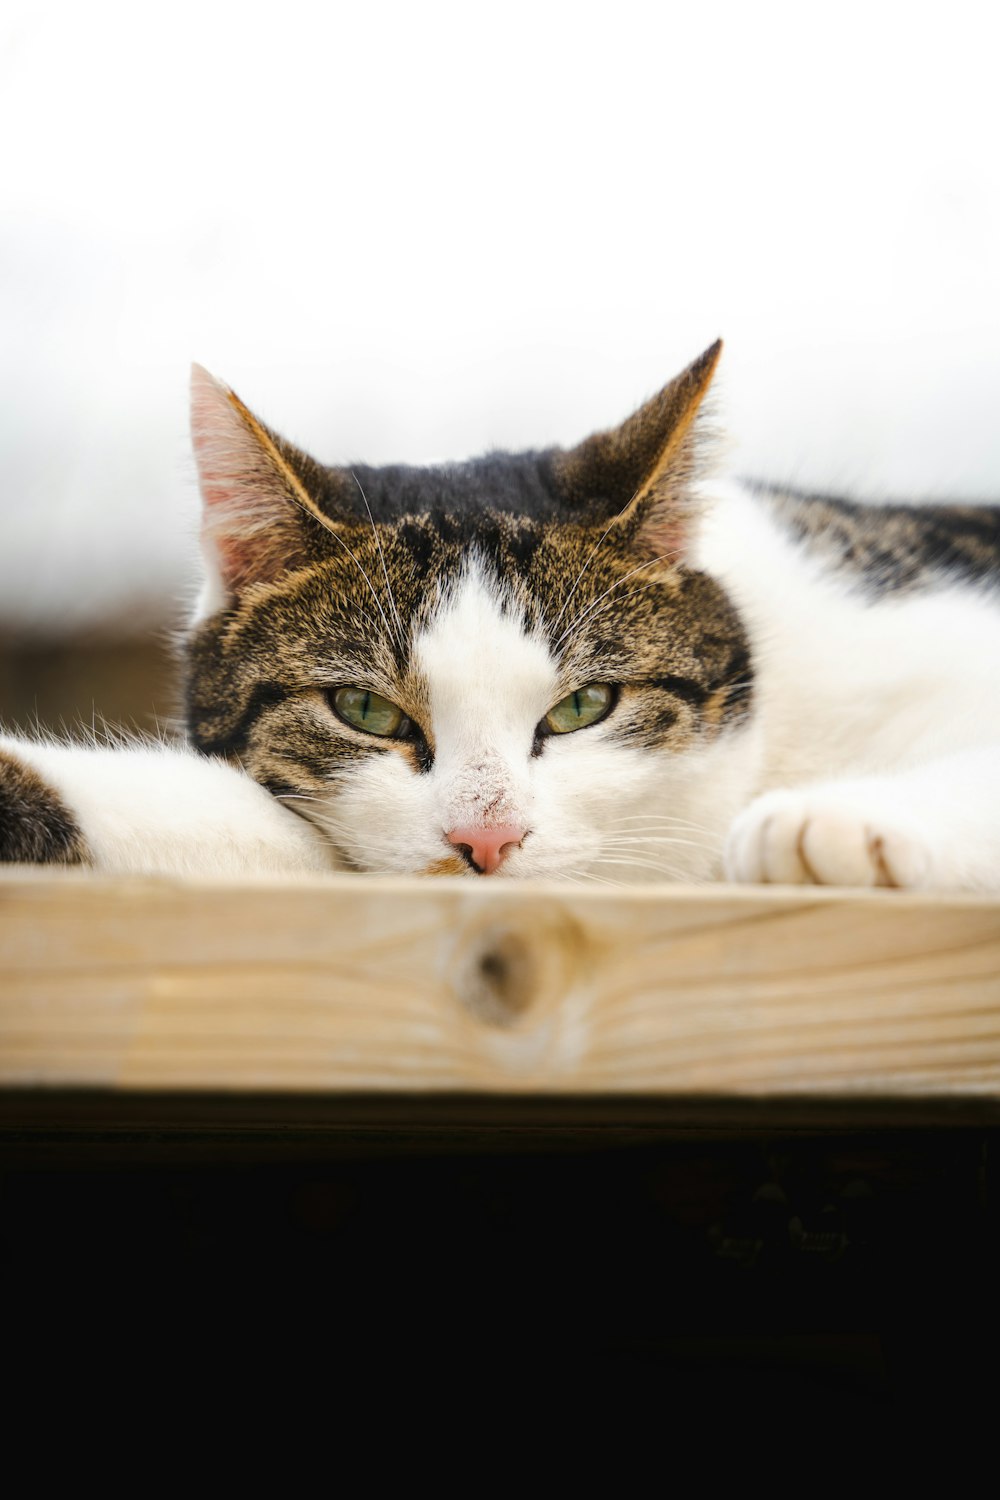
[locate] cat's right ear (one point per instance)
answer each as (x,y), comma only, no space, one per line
(259,518)
(641,474)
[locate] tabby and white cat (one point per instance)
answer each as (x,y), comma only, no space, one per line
(585,664)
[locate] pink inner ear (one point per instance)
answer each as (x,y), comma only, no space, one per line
(247,531)
(220,439)
(665,533)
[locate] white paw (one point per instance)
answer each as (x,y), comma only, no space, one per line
(825,836)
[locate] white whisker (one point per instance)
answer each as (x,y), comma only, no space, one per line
(401,634)
(618,599)
(601,880)
(378,603)
(579,619)
(642,843)
(591,555)
(671,872)
(663,821)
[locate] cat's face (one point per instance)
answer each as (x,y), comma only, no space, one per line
(497,674)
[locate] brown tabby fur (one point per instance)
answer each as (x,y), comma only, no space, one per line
(35,825)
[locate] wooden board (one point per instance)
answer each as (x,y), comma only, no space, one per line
(362,984)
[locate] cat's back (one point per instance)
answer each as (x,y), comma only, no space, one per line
(875,629)
(886,549)
(758,536)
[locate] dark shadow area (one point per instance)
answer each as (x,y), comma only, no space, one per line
(844,1267)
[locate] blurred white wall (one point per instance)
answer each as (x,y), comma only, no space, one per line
(415,231)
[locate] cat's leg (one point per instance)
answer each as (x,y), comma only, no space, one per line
(147,809)
(930,827)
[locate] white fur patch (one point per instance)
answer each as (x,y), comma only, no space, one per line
(159,809)
(847,684)
(879,719)
(489,684)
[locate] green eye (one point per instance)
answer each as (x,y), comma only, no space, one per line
(577,710)
(369,712)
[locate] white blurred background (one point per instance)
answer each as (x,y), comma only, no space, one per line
(414,231)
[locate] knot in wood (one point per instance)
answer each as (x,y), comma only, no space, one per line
(508,968)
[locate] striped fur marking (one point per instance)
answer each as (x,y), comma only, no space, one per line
(36,828)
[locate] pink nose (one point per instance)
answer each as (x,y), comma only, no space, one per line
(486,848)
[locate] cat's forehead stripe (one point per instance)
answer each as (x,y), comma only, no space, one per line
(477,655)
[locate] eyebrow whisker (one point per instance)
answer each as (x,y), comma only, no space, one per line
(579,618)
(400,633)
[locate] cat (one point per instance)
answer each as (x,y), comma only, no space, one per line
(592,665)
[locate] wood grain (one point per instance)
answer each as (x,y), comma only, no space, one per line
(364,984)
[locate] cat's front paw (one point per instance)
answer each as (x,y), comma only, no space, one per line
(825,836)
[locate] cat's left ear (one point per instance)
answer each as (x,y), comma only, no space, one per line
(642,473)
(261,514)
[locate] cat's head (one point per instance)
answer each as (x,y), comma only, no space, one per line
(507,665)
